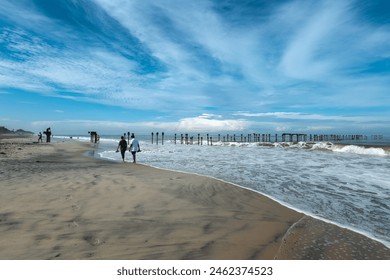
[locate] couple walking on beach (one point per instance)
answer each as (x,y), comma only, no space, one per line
(134,147)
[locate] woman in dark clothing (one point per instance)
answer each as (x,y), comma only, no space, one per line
(123,147)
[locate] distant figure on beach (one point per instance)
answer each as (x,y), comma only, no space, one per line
(134,147)
(39,137)
(123,147)
(48,134)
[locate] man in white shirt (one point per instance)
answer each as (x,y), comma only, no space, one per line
(134,147)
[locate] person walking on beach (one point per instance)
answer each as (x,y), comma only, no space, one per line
(123,147)
(48,134)
(40,137)
(134,147)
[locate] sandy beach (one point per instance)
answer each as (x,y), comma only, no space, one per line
(58,203)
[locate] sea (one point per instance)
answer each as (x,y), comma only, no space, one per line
(346,183)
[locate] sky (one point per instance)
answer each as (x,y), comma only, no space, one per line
(112,66)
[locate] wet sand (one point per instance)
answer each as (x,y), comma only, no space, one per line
(57,203)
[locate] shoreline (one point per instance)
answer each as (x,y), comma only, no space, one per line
(230,221)
(366,234)
(356,227)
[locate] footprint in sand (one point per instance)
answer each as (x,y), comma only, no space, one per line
(75,207)
(73,225)
(91,239)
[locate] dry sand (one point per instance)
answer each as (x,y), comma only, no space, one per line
(57,203)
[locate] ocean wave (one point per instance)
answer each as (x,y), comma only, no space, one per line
(360,150)
(325,146)
(350,149)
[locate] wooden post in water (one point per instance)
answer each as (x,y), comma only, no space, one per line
(162,138)
(211,141)
(157,138)
(175,138)
(93,135)
(152,137)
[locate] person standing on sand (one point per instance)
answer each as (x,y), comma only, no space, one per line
(134,147)
(40,137)
(123,146)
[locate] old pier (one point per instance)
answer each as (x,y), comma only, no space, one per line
(208,139)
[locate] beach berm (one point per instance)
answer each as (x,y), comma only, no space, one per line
(58,203)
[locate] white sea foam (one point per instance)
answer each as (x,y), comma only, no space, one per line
(360,150)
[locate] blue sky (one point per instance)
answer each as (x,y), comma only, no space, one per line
(195,66)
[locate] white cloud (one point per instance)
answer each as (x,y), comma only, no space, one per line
(202,123)
(318,117)
(282,128)
(306,56)
(208,123)
(198,47)
(270,114)
(319,128)
(142,24)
